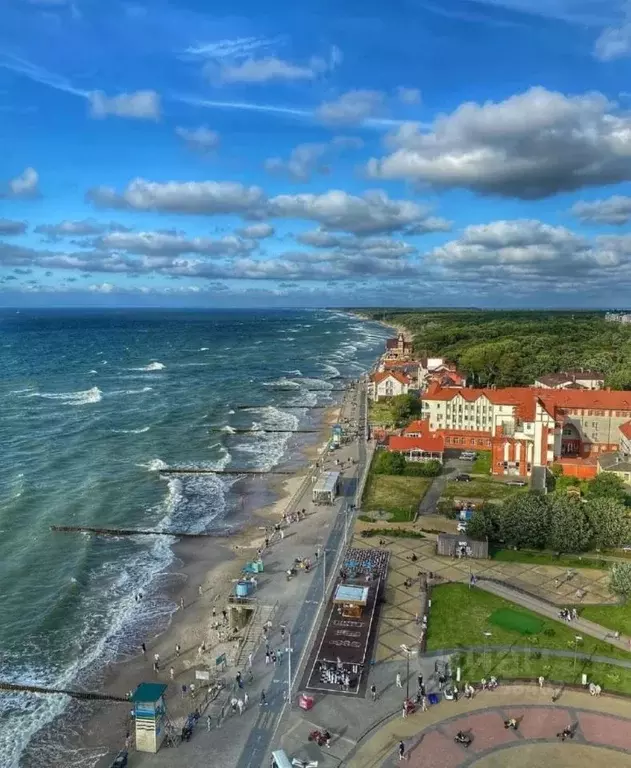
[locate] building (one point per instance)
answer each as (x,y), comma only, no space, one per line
(388,384)
(527,427)
(577,379)
(616,463)
(408,367)
(421,447)
(625,438)
(399,348)
(618,317)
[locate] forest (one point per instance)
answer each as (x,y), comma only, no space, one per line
(512,348)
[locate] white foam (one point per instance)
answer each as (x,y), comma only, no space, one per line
(92,371)
(130,391)
(293,373)
(231,411)
(282,382)
(204,349)
(154,465)
(84,397)
(335,373)
(131,431)
(230,430)
(21,391)
(155,366)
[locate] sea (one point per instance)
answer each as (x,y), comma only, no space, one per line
(92,405)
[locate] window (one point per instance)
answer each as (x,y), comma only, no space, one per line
(590,413)
(595,424)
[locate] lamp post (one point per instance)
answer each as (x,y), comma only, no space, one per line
(289,667)
(577,639)
(486,639)
(408,652)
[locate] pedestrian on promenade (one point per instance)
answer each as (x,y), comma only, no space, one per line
(208,722)
(250,660)
(279,656)
(282,534)
(263,700)
(420,681)
(405,709)
(246,699)
(240,705)
(399,683)
(401,751)
(423,703)
(200,590)
(267,656)
(214,612)
(233,704)
(181,603)
(239,680)
(156,667)
(274,658)
(172,673)
(373,692)
(282,631)
(224,613)
(192,690)
(266,542)
(156,658)
(183,690)
(144,649)
(541,681)
(177,649)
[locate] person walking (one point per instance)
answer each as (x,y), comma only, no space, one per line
(177,649)
(373,692)
(214,613)
(200,590)
(249,661)
(241,706)
(423,703)
(401,751)
(541,681)
(156,658)
(420,681)
(405,709)
(399,683)
(263,700)
(144,649)
(246,699)
(172,673)
(208,722)
(181,603)
(267,657)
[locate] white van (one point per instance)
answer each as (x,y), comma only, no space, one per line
(280,759)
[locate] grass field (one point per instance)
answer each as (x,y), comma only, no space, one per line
(547,558)
(511,665)
(380,413)
(517,621)
(614,617)
(482,464)
(480,489)
(397,495)
(460,616)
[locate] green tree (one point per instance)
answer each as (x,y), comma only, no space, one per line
(609,521)
(620,579)
(431,468)
(485,522)
(525,521)
(606,485)
(620,378)
(570,530)
(404,408)
(389,463)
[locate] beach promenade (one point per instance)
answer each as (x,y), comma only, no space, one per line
(244,741)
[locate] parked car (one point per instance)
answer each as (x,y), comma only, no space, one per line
(463,478)
(519,483)
(468,455)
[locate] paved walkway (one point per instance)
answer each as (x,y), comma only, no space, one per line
(544,608)
(601,722)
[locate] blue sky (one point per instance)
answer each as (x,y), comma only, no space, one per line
(423,152)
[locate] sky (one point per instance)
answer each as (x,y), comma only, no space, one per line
(247,154)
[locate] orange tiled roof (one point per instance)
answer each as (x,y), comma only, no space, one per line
(400,377)
(419,425)
(434,443)
(626,429)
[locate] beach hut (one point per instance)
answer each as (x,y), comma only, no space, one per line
(149,716)
(326,488)
(456,545)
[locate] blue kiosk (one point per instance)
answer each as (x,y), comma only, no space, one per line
(150,716)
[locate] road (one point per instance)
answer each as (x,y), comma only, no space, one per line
(259,741)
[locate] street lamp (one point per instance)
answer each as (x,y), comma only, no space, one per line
(408,652)
(577,639)
(289,667)
(486,639)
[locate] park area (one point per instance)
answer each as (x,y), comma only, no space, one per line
(396,496)
(483,489)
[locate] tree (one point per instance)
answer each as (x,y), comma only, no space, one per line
(485,522)
(431,468)
(606,485)
(570,530)
(389,463)
(557,470)
(620,579)
(525,521)
(404,408)
(609,521)
(620,378)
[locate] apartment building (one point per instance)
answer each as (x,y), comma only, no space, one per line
(575,379)
(388,384)
(527,427)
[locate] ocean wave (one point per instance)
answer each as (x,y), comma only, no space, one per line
(319,384)
(293,373)
(155,366)
(230,430)
(282,382)
(335,374)
(93,371)
(154,465)
(130,391)
(231,411)
(131,431)
(21,391)
(204,349)
(84,397)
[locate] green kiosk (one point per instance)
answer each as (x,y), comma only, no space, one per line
(150,716)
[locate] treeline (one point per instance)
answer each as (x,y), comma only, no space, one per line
(505,349)
(558,521)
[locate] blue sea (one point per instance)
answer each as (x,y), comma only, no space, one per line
(92,404)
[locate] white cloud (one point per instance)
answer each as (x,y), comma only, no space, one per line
(139,105)
(613,210)
(172,244)
(228,48)
(25,185)
(200,197)
(78,228)
(409,95)
(304,160)
(264,70)
(530,146)
(201,139)
(614,42)
(351,108)
(256,231)
(10,227)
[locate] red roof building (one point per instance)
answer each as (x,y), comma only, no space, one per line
(425,448)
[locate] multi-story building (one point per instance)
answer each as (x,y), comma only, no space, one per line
(388,384)
(577,379)
(399,348)
(526,427)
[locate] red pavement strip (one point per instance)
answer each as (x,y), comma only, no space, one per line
(435,747)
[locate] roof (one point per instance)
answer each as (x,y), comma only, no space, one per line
(326,483)
(526,398)
(614,462)
(348,593)
(417,426)
(626,429)
(400,377)
(149,691)
(434,443)
(554,379)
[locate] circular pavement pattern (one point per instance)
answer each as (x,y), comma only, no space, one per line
(598,737)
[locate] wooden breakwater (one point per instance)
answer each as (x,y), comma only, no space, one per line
(93,695)
(232,431)
(204,471)
(128,532)
(283,407)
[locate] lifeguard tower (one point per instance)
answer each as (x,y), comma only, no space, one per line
(150,716)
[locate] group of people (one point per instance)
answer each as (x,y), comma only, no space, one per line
(568,614)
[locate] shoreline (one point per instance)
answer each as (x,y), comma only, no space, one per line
(212,564)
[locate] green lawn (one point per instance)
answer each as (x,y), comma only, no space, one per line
(395,494)
(482,465)
(380,413)
(614,617)
(481,489)
(547,558)
(460,616)
(475,666)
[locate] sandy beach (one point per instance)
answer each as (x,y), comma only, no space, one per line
(201,578)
